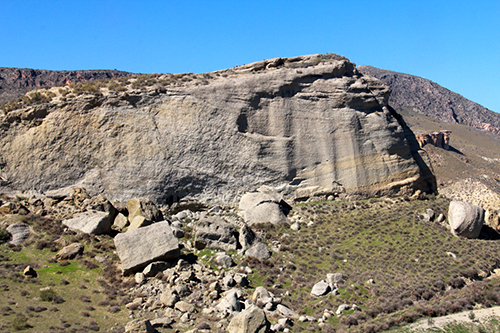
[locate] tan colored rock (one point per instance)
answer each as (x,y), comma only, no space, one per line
(139,221)
(70,251)
(251,320)
(324,128)
(143,207)
(120,222)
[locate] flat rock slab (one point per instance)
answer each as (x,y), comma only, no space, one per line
(90,222)
(70,251)
(20,232)
(139,247)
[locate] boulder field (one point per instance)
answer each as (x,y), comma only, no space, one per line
(310,125)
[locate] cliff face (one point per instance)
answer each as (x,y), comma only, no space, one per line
(429,98)
(16,82)
(305,125)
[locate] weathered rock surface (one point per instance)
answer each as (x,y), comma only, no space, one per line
(466,220)
(139,247)
(90,222)
(214,232)
(259,250)
(143,207)
(251,320)
(70,251)
(322,128)
(19,233)
(260,207)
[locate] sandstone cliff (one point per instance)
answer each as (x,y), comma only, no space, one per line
(305,125)
(429,98)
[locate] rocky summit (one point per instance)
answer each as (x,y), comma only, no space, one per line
(306,126)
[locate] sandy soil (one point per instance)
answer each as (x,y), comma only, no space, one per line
(440,322)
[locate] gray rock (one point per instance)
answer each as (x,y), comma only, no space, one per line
(286,312)
(90,222)
(251,320)
(139,326)
(143,207)
(169,297)
(260,292)
(259,250)
(241,280)
(262,208)
(334,277)
(342,308)
(214,232)
(184,306)
(466,220)
(19,233)
(155,267)
(70,252)
(139,247)
(224,260)
(320,289)
(247,237)
(163,322)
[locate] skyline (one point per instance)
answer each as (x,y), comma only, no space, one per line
(454,44)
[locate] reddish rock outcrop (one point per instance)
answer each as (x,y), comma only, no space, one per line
(438,139)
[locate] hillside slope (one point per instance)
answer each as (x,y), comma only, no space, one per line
(15,82)
(431,99)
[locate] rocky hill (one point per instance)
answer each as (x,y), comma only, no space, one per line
(431,99)
(310,125)
(15,82)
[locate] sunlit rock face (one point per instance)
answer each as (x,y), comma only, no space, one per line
(305,126)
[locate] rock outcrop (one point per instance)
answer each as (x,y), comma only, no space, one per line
(439,139)
(306,125)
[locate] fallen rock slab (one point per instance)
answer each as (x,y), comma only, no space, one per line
(320,289)
(466,220)
(139,247)
(90,222)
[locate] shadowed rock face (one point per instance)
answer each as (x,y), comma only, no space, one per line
(319,129)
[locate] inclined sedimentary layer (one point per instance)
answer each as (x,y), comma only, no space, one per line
(304,129)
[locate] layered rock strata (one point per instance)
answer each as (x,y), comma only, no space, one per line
(305,125)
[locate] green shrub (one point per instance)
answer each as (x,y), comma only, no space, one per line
(20,323)
(4,235)
(47,295)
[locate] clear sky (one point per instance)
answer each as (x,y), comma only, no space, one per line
(453,43)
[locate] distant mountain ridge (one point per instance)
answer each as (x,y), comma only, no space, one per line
(15,82)
(431,99)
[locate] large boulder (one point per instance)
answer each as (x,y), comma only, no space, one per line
(214,232)
(143,207)
(19,233)
(466,220)
(251,320)
(90,222)
(139,247)
(260,207)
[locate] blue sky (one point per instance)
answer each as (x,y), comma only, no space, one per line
(454,43)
